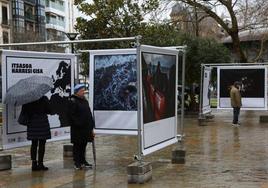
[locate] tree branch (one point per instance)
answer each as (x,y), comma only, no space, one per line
(210,13)
(234,3)
(263,40)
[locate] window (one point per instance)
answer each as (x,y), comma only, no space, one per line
(29,12)
(18,8)
(4,15)
(41,2)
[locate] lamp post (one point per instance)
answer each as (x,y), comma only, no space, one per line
(72,36)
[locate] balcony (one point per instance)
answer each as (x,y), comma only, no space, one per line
(53,11)
(55,5)
(30,1)
(6,23)
(30,17)
(55,24)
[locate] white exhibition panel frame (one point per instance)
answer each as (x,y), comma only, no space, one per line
(206,90)
(109,121)
(18,65)
(160,133)
(259,102)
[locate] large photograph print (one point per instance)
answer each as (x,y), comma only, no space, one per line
(21,65)
(206,90)
(158,81)
(113,82)
(159,97)
(252,86)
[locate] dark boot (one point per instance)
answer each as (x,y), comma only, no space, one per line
(35,167)
(41,166)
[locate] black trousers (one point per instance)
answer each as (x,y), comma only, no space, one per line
(236,112)
(40,145)
(79,152)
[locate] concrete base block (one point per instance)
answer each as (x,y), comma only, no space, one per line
(5,162)
(178,156)
(67,150)
(139,172)
(142,178)
(263,119)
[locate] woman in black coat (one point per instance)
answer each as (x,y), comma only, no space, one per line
(38,130)
(82,124)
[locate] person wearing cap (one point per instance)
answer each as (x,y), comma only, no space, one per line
(82,124)
(236,103)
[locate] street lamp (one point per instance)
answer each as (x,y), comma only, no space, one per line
(72,36)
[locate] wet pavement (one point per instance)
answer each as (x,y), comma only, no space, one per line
(217,155)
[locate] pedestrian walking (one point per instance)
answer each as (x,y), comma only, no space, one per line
(38,129)
(82,124)
(236,103)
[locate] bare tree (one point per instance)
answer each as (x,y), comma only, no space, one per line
(252,14)
(232,29)
(243,14)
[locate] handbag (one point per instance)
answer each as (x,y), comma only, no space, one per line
(24,118)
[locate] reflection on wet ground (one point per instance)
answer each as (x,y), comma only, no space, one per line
(218,155)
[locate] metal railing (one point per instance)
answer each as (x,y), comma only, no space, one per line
(55,22)
(50,4)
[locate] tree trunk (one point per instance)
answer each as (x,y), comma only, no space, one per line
(237,48)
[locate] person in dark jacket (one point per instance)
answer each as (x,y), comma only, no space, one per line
(38,130)
(82,124)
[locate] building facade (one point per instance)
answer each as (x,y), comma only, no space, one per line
(5,21)
(55,20)
(35,20)
(60,19)
(254,43)
(28,20)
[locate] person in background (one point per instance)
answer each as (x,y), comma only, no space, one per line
(236,103)
(82,124)
(38,130)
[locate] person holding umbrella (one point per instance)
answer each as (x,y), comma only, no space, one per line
(29,92)
(38,129)
(82,124)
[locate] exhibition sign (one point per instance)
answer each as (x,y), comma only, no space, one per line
(158,93)
(206,90)
(113,90)
(17,65)
(253,88)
